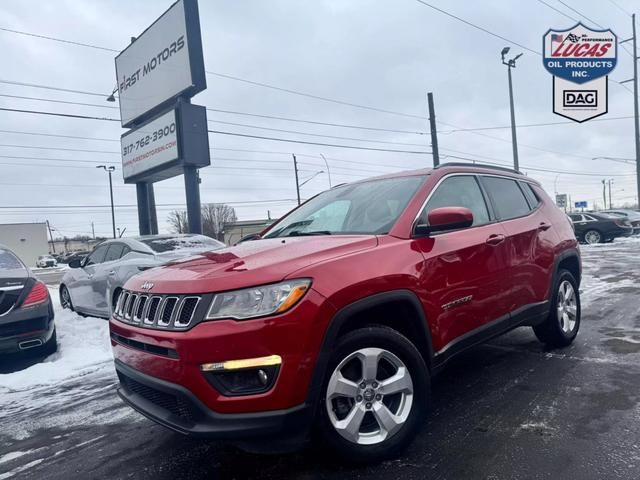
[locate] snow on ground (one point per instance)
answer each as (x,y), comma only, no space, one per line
(83,348)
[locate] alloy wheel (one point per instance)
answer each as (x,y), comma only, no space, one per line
(369,396)
(592,237)
(65,300)
(567,307)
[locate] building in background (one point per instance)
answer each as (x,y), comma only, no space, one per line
(234,231)
(27,240)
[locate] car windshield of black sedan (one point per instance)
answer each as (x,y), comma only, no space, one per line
(371,207)
(172,244)
(8,261)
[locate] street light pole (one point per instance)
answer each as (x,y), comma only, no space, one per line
(295,169)
(610,203)
(110,169)
(635,102)
(512,64)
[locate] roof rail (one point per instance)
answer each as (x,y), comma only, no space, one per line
(481,165)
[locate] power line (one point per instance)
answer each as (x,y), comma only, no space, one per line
(615,4)
(581,14)
(72,160)
(170,205)
(59,40)
(557,10)
(314,122)
(48,87)
(17,132)
(316,97)
(56,114)
(58,101)
(314,134)
(482,29)
(317,143)
(58,148)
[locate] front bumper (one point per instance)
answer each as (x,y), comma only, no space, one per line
(153,363)
(175,407)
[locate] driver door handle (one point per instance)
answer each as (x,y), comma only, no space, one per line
(495,239)
(89,275)
(112,273)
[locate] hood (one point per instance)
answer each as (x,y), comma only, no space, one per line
(250,263)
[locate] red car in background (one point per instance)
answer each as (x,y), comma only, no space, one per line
(342,312)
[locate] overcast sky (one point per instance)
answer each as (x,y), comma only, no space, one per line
(384,54)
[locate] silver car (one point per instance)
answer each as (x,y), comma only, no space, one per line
(91,286)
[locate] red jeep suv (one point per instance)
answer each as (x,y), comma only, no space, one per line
(335,319)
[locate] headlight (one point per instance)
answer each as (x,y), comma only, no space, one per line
(258,301)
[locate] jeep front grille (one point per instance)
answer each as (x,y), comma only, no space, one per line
(156,311)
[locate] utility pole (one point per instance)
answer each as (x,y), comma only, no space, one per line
(295,168)
(610,203)
(635,101)
(432,128)
(110,169)
(512,64)
(604,193)
(93,231)
(53,245)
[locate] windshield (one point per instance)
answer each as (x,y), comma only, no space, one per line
(8,261)
(371,207)
(172,244)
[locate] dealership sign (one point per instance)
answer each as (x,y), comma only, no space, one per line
(163,63)
(580,60)
(162,146)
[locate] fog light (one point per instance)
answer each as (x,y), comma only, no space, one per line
(243,377)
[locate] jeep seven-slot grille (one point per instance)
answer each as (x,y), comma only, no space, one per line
(156,311)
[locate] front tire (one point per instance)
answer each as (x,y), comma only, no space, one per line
(65,298)
(563,322)
(375,396)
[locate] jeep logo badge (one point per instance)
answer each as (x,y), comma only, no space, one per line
(147,286)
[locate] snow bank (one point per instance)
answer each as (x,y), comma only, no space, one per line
(83,347)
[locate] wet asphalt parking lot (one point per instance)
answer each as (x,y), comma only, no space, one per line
(506,410)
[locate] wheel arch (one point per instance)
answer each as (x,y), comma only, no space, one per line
(566,260)
(373,310)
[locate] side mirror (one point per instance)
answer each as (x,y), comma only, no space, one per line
(75,263)
(445,218)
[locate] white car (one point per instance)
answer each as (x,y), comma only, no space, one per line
(91,286)
(45,261)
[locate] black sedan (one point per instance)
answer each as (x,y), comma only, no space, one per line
(26,311)
(599,227)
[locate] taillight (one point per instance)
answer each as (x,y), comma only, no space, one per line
(38,294)
(621,223)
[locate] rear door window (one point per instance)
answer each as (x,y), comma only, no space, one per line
(458,191)
(532,198)
(97,256)
(114,252)
(508,199)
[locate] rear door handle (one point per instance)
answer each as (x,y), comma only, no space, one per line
(112,273)
(495,239)
(544,226)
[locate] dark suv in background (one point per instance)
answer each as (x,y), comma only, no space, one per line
(339,315)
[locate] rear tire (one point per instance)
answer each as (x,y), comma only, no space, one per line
(371,414)
(563,322)
(593,236)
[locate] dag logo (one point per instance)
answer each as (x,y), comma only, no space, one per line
(579,54)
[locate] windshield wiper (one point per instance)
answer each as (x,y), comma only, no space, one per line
(299,233)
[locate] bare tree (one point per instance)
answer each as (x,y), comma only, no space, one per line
(214,216)
(178,221)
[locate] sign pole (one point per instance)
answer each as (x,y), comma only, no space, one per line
(144,219)
(192,190)
(153,216)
